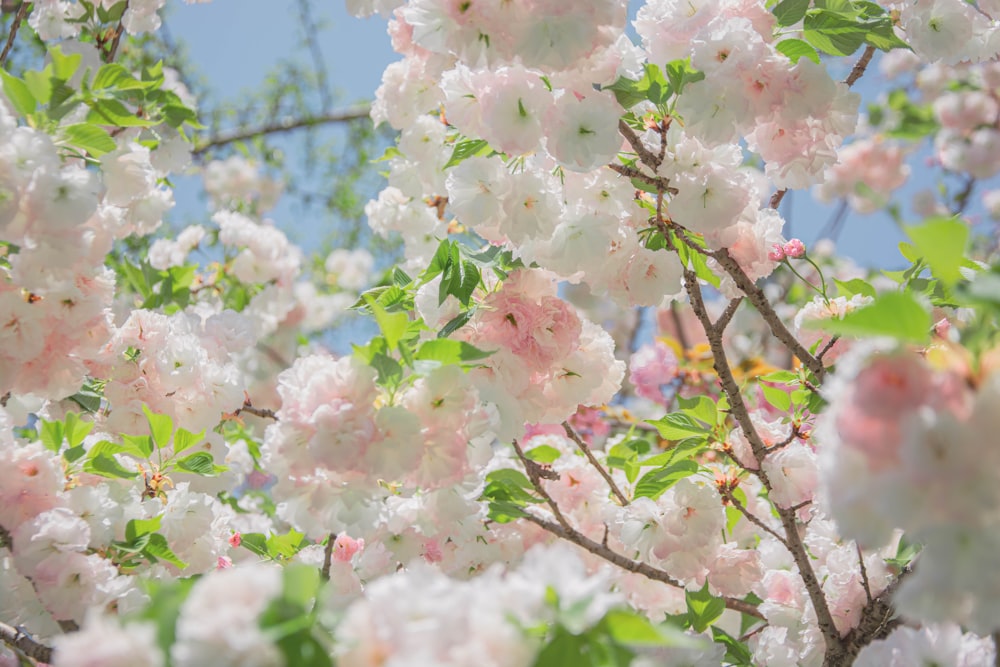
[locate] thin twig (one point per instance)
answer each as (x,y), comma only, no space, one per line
(535,474)
(760,301)
(752,518)
(328,556)
(113,51)
(656,181)
(575,437)
(23,642)
(264,413)
(860,66)
(15,25)
(5,538)
(322,80)
(286,125)
(864,574)
(637,567)
(727,314)
(828,347)
(647,156)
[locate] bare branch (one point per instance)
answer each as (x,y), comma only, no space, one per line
(860,66)
(752,518)
(777,197)
(356,112)
(575,437)
(23,642)
(15,25)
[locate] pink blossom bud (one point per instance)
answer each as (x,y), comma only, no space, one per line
(235,540)
(777,253)
(224,562)
(345,546)
(794,249)
(942,328)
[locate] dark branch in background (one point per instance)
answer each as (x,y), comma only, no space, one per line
(777,197)
(5,540)
(15,25)
(831,230)
(312,40)
(962,201)
(575,437)
(25,644)
(287,125)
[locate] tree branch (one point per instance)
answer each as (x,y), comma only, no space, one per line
(760,302)
(25,643)
(15,25)
(637,567)
(650,159)
(575,437)
(860,66)
(356,112)
(328,556)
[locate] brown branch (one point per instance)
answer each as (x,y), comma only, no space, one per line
(878,620)
(650,159)
(264,413)
(728,495)
(634,566)
(777,197)
(760,302)
(738,408)
(356,112)
(655,181)
(15,25)
(860,66)
(535,474)
(328,557)
(23,642)
(5,539)
(828,347)
(575,437)
(727,315)
(864,574)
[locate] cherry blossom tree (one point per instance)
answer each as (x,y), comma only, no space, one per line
(612,414)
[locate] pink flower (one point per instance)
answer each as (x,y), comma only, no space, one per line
(235,540)
(345,546)
(794,249)
(777,254)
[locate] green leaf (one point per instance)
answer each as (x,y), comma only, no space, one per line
(855,286)
(184,439)
(75,430)
(161,427)
(655,482)
(678,425)
(543,454)
(138,527)
(790,12)
(105,465)
(200,463)
(779,398)
(301,583)
(287,545)
(392,325)
(113,112)
(64,66)
(159,549)
(51,435)
(17,92)
(703,608)
(701,408)
(456,323)
(794,49)
(894,314)
(466,149)
(629,627)
(737,653)
(941,243)
(449,351)
(832,32)
(255,542)
(652,87)
(139,446)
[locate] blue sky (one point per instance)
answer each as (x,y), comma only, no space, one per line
(235,42)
